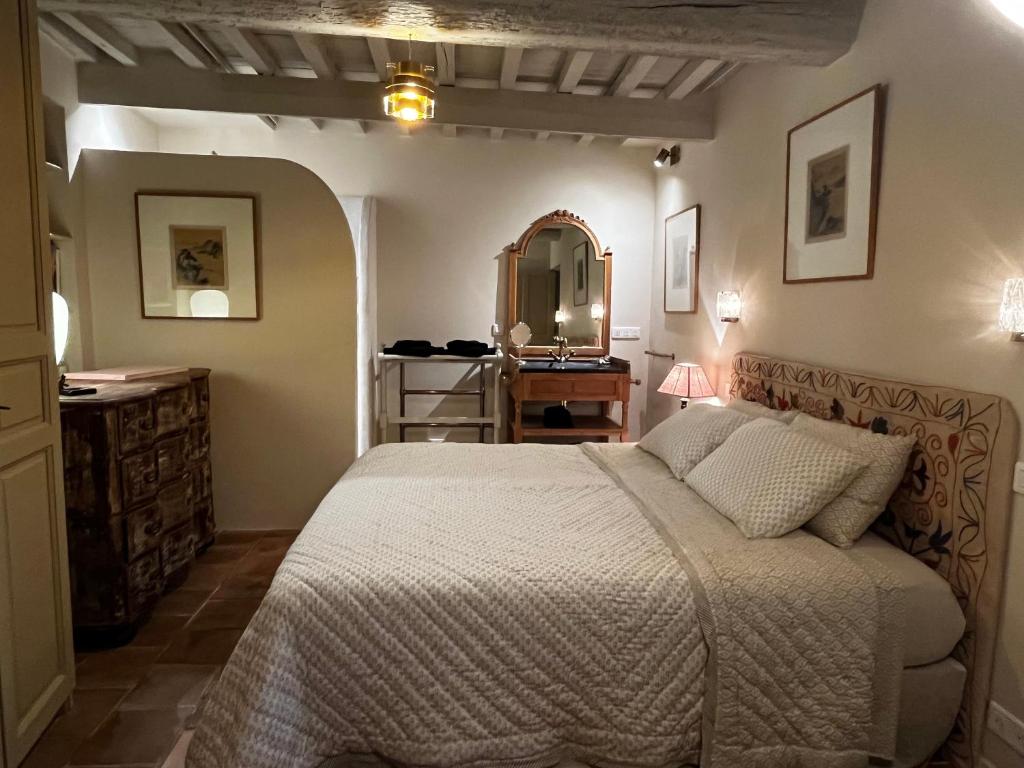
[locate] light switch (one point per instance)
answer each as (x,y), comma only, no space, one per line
(625,332)
(1018,478)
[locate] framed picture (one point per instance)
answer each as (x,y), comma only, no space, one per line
(834,160)
(198,255)
(581,274)
(682,260)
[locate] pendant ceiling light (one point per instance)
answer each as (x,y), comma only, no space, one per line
(409,93)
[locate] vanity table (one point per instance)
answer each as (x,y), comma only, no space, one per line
(559,299)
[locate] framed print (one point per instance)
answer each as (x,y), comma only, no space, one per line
(198,255)
(834,160)
(682,260)
(581,274)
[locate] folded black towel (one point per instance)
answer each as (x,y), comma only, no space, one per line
(413,348)
(557,417)
(465,348)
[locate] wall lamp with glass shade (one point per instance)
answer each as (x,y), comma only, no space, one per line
(560,316)
(597,311)
(730,306)
(687,381)
(1011,312)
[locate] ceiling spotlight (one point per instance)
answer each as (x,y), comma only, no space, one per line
(668,156)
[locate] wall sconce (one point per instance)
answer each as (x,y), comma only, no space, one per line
(1011,313)
(668,156)
(560,316)
(730,306)
(597,311)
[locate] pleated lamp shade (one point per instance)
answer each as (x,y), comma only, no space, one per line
(687,380)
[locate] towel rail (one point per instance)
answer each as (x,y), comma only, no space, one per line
(669,356)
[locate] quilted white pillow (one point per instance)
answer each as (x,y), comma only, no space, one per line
(770,479)
(845,519)
(758,411)
(683,440)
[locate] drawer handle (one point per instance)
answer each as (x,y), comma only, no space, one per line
(149,477)
(152,527)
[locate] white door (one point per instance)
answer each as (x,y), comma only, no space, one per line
(36,657)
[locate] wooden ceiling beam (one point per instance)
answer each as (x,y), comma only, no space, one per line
(814,32)
(162,82)
(720,75)
(182,44)
(252,49)
(314,51)
(103,36)
(380,55)
(572,70)
(67,38)
(687,80)
(268,120)
(445,53)
(511,58)
(632,74)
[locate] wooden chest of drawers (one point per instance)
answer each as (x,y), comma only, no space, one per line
(139,494)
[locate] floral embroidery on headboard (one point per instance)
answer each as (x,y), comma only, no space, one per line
(951,509)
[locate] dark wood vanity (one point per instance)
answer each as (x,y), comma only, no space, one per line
(559,304)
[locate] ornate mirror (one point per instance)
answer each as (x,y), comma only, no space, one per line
(560,284)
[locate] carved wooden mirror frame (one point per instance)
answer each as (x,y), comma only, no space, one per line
(518,250)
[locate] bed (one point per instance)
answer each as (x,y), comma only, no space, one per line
(540,605)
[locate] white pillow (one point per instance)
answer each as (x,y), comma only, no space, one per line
(770,479)
(845,519)
(758,411)
(684,439)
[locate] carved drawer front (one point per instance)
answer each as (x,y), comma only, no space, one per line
(202,481)
(174,502)
(145,580)
(135,425)
(143,530)
(177,549)
(170,458)
(97,540)
(172,411)
(199,441)
(138,477)
(200,399)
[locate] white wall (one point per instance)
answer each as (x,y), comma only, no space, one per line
(950,230)
(447,207)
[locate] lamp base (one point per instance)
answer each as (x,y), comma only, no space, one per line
(682,403)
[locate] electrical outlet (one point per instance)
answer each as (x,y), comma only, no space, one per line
(626,333)
(1018,477)
(1006,726)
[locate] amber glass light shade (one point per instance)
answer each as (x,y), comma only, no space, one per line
(409,93)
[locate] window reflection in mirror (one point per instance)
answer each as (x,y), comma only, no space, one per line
(560,288)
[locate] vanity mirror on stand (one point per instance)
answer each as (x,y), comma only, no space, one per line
(560,287)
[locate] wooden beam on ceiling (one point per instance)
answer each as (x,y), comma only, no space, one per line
(252,49)
(542,136)
(103,36)
(269,121)
(632,74)
(204,40)
(182,44)
(314,51)
(445,53)
(720,75)
(814,32)
(686,81)
(162,82)
(585,140)
(449,131)
(572,70)
(511,58)
(67,38)
(497,133)
(380,55)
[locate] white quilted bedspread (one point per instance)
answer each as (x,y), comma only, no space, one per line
(465,605)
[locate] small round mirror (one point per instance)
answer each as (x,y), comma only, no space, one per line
(520,334)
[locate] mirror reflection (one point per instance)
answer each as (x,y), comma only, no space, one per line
(560,288)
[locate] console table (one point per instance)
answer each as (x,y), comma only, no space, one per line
(542,380)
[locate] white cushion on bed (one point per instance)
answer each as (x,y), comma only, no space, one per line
(683,440)
(770,479)
(845,519)
(758,411)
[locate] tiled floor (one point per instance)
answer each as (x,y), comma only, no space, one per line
(132,704)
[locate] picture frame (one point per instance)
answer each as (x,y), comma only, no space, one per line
(682,261)
(833,169)
(198,255)
(581,274)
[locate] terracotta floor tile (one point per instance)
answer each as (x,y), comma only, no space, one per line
(274,543)
(239,585)
(261,562)
(207,646)
(204,575)
(239,537)
(159,630)
(224,553)
(181,602)
(67,731)
(141,736)
(177,757)
(170,685)
(225,614)
(118,668)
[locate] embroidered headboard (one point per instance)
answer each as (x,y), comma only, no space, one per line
(953,507)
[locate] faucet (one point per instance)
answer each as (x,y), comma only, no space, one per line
(563,345)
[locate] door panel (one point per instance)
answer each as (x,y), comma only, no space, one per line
(36,657)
